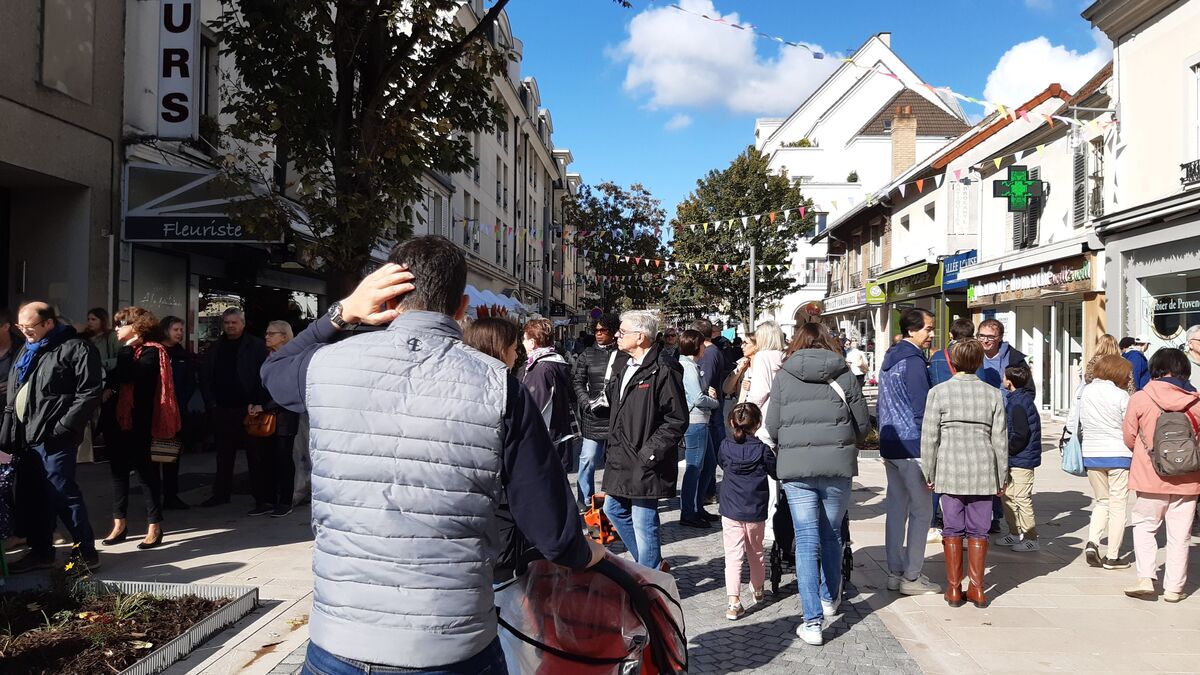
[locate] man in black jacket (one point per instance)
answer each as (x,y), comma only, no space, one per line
(647,422)
(230,384)
(55,384)
(589,380)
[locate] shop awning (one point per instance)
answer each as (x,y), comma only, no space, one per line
(903,272)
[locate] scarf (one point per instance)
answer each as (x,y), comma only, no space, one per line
(540,352)
(166,422)
(24,364)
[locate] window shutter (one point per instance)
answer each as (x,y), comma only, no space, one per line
(1080,186)
(1033,218)
(1018,230)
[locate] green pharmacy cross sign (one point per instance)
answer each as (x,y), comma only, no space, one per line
(1018,189)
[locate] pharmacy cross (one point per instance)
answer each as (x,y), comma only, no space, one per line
(1018,188)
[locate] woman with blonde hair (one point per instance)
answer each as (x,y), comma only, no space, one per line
(1102,406)
(1106,345)
(274,484)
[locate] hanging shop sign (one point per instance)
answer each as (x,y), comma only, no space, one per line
(954,264)
(1072,275)
(195,229)
(178,52)
(926,282)
(846,301)
(876,293)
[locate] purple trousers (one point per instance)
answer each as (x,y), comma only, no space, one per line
(966,515)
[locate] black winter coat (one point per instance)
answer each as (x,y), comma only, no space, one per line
(588,379)
(67,381)
(646,425)
(549,382)
(251,354)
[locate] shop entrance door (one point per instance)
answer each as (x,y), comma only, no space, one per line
(1068,355)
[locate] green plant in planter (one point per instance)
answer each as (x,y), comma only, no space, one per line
(853,177)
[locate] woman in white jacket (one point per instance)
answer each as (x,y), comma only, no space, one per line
(767,360)
(1101,410)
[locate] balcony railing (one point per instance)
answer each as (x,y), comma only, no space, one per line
(856,280)
(874,271)
(835,286)
(1191,173)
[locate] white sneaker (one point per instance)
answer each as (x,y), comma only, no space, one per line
(934,537)
(1026,545)
(894,581)
(830,609)
(919,586)
(811,633)
(1009,540)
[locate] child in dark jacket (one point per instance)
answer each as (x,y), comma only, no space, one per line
(748,464)
(1024,455)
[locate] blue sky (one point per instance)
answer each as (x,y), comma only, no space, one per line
(655,96)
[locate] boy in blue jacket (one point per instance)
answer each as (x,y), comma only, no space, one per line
(1024,455)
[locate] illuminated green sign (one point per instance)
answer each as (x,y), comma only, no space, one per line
(1018,189)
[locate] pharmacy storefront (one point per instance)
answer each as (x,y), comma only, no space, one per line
(1052,312)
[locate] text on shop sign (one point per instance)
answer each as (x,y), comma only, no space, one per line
(178,46)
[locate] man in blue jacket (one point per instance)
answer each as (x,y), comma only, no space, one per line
(1134,351)
(903,386)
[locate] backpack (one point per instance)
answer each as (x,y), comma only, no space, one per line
(1176,449)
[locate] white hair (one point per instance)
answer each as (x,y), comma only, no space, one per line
(642,320)
(769,336)
(283,327)
(1192,331)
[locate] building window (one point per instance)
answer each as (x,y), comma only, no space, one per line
(67,48)
(876,246)
(475,229)
(466,220)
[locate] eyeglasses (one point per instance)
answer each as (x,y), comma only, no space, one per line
(122,324)
(274,332)
(988,338)
(601,330)
(21,326)
(621,332)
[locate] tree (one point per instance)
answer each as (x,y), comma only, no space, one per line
(745,188)
(359,99)
(618,230)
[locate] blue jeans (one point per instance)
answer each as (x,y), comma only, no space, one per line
(695,442)
(716,434)
(591,455)
(490,661)
(46,477)
(636,522)
(818,506)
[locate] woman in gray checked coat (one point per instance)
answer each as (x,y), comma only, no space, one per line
(964,454)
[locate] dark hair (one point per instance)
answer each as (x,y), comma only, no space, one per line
(812,336)
(1114,368)
(102,314)
(961,329)
(440,272)
(913,319)
(167,322)
(690,342)
(491,335)
(1170,361)
(1019,375)
(704,327)
(143,322)
(744,419)
(5,315)
(967,355)
(994,324)
(1126,342)
(610,321)
(541,331)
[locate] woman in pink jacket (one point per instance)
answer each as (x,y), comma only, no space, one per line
(1161,500)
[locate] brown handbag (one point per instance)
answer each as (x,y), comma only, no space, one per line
(260,425)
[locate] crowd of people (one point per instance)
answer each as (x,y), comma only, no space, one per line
(441,448)
(130,392)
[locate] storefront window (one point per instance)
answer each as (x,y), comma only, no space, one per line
(260,303)
(1171,304)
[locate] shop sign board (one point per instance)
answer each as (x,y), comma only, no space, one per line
(845,301)
(1171,314)
(178,59)
(194,229)
(929,280)
(876,293)
(952,265)
(1073,275)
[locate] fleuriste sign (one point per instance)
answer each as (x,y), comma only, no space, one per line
(1073,275)
(196,229)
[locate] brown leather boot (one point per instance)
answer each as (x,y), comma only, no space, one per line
(952,547)
(976,565)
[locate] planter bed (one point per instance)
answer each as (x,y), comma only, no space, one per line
(130,628)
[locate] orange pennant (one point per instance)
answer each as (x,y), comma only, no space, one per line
(772,216)
(920,184)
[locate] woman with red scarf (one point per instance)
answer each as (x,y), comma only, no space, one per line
(146,410)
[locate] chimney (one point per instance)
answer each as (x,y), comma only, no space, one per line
(885,38)
(904,140)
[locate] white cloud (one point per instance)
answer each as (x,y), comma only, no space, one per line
(1029,67)
(1040,5)
(678,122)
(680,60)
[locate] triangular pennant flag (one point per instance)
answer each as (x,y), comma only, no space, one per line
(901,187)
(745,221)
(726,267)
(802,210)
(1040,150)
(1003,111)
(658,263)
(787,215)
(1049,119)
(693,227)
(647,262)
(1023,115)
(998,161)
(772,217)
(938,179)
(920,185)
(637,261)
(958,174)
(834,202)
(706,228)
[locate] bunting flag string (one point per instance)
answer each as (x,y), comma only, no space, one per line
(669,264)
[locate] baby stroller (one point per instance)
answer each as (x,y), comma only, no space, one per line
(783,551)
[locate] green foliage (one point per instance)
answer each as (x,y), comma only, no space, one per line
(802,143)
(853,177)
(618,222)
(745,188)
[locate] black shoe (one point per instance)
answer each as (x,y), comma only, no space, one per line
(710,517)
(995,528)
(1115,564)
(1091,553)
(117,539)
(143,546)
(281,511)
(90,559)
(710,500)
(31,561)
(214,501)
(697,522)
(261,510)
(175,504)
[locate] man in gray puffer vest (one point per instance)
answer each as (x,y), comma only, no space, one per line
(414,437)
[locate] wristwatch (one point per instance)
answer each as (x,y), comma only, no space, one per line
(335,317)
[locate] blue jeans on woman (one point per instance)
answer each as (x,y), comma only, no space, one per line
(591,456)
(695,443)
(818,505)
(636,522)
(490,661)
(716,434)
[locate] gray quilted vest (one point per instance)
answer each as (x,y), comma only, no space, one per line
(406,441)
